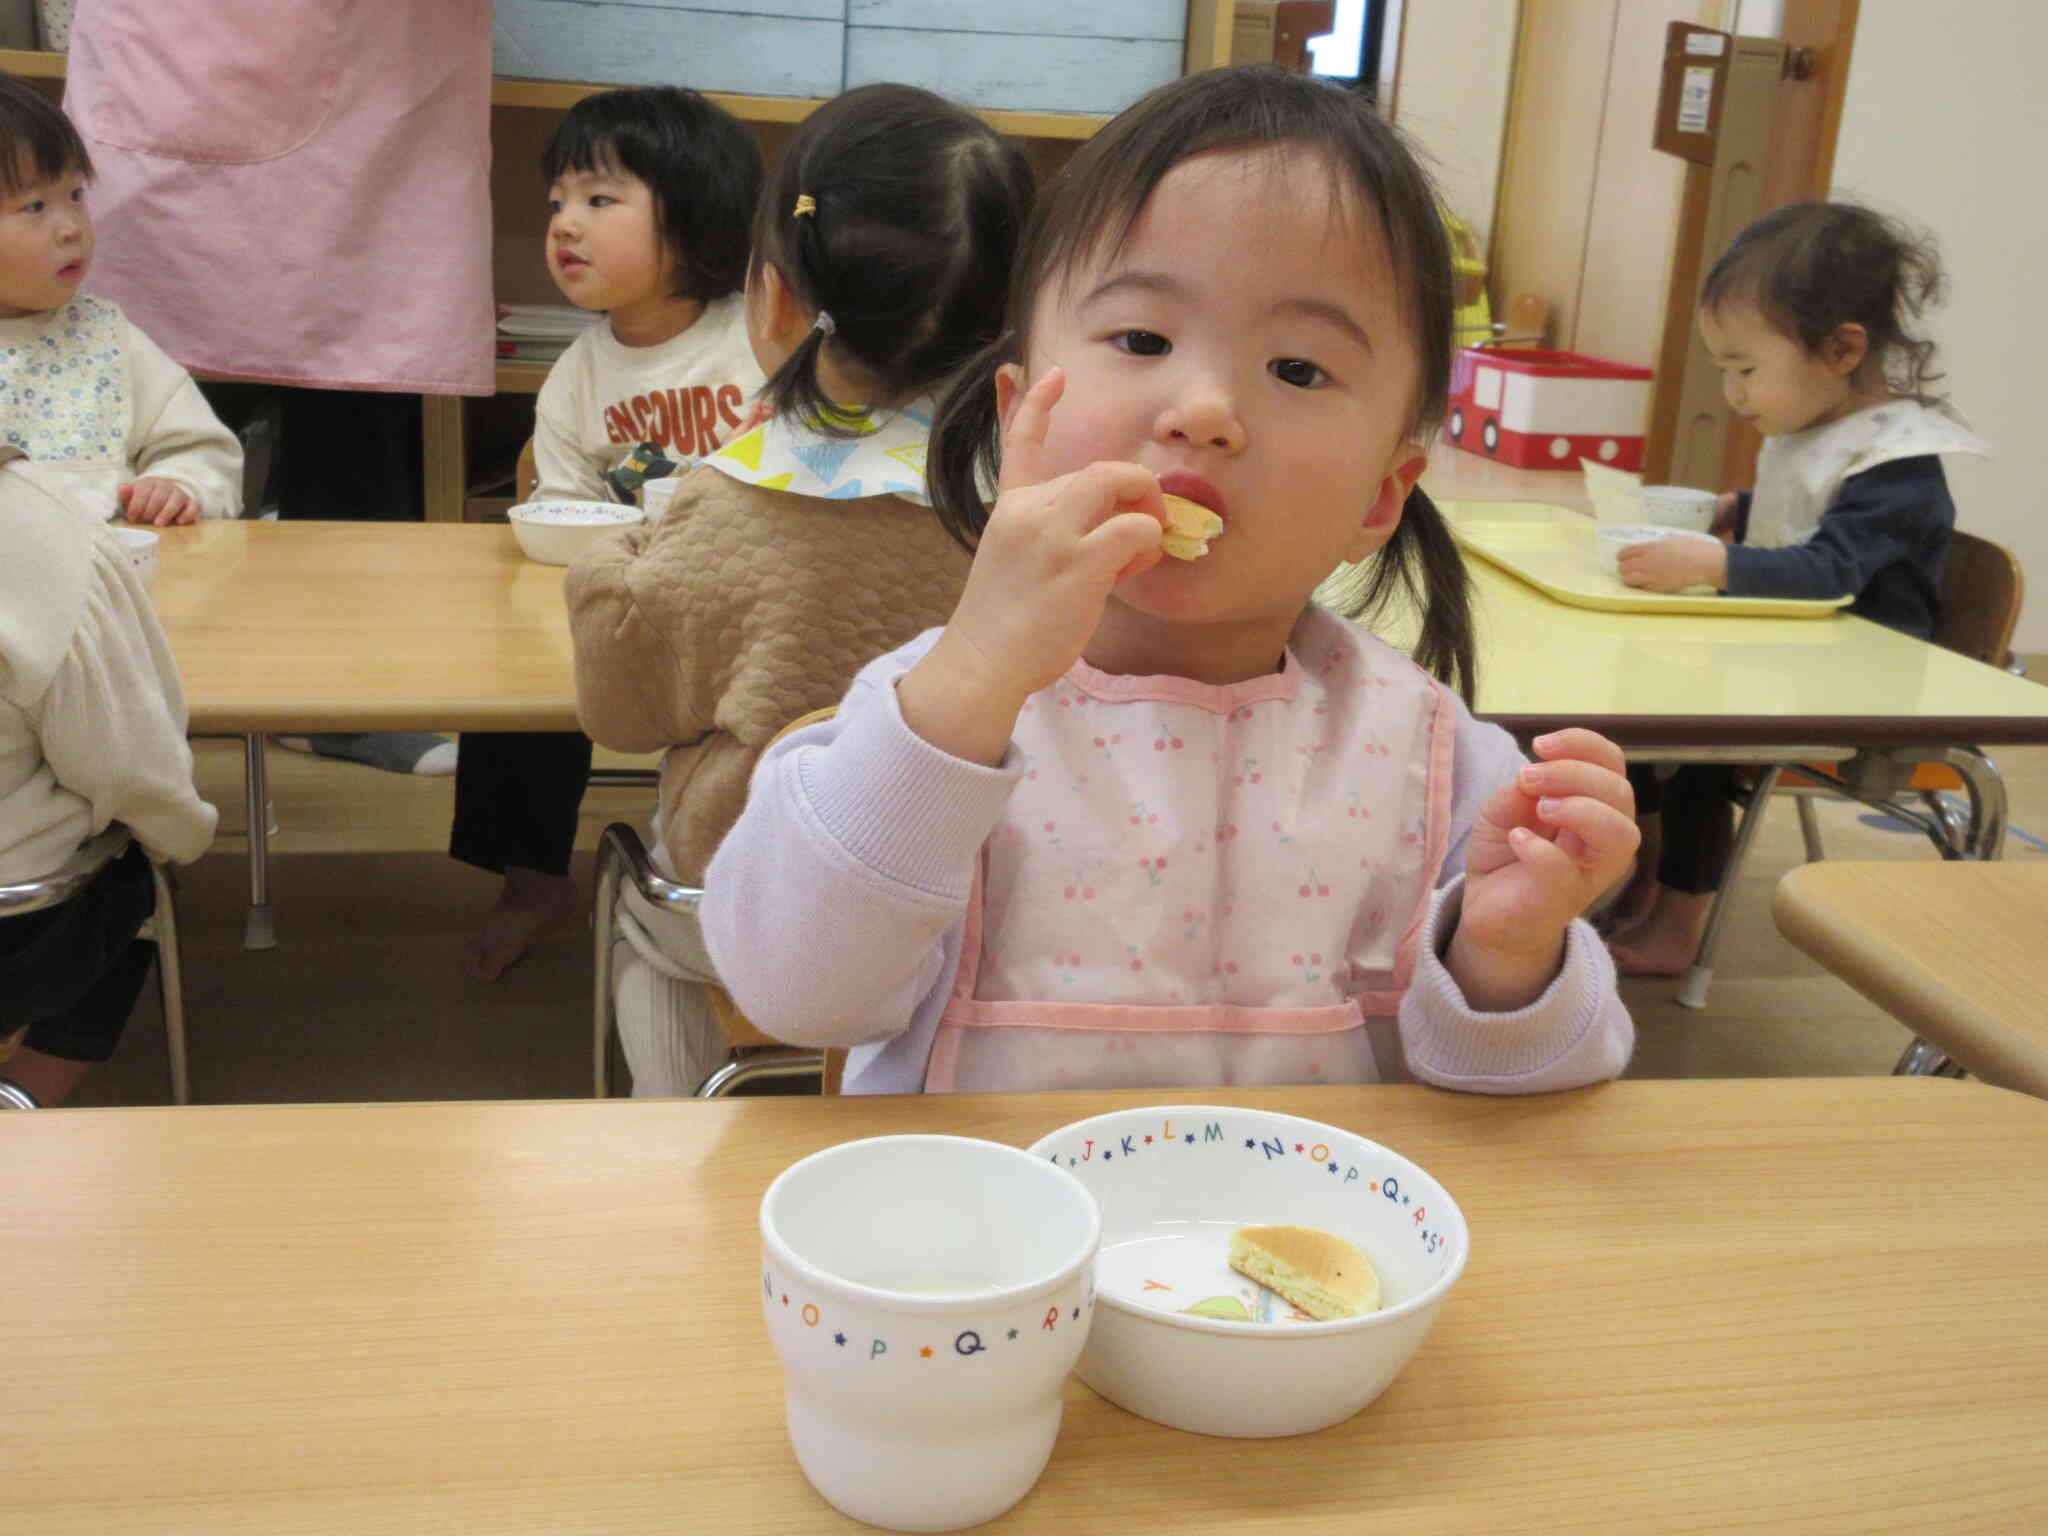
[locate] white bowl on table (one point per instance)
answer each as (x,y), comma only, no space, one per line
(1679,506)
(556,532)
(1174,1181)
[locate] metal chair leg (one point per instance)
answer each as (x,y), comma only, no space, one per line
(1692,987)
(1809,829)
(765,1066)
(170,970)
(259,930)
(1986,788)
(1924,1060)
(603,923)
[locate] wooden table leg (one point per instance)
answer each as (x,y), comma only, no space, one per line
(443,455)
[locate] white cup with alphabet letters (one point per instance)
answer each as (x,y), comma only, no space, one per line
(928,1296)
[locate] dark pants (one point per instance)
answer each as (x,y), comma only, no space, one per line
(72,973)
(517,795)
(350,454)
(1698,806)
(337,454)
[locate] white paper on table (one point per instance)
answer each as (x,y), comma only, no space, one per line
(1616,494)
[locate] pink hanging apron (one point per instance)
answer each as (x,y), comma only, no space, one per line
(295,191)
(1199,886)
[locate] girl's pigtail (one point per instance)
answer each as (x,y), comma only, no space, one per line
(964,459)
(1421,568)
(1446,646)
(794,389)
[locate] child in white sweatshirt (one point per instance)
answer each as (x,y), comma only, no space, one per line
(82,390)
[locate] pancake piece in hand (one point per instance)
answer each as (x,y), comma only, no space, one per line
(1189,528)
(1319,1272)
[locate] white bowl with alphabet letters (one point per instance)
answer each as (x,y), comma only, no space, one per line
(1174,1182)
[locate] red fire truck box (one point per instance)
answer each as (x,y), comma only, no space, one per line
(1547,410)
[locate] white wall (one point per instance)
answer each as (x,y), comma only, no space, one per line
(1452,95)
(1944,123)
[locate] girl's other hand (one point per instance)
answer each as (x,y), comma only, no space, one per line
(158,502)
(1543,848)
(1051,554)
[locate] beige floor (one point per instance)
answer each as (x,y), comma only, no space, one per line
(364,996)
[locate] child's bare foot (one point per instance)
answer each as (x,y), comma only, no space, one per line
(1633,906)
(1638,899)
(1667,942)
(531,906)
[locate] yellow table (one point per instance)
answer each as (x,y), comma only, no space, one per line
(1675,680)
(1769,691)
(1956,952)
(1807,1306)
(308,626)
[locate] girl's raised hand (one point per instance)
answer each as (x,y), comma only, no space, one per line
(1051,554)
(1543,848)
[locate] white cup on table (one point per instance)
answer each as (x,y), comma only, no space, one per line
(928,1296)
(1679,506)
(655,495)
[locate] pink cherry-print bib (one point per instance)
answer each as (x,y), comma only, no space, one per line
(1199,885)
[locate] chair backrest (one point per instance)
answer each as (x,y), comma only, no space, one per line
(1982,588)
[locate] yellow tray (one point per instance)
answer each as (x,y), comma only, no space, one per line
(1566,562)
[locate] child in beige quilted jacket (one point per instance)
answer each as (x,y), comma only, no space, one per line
(805,548)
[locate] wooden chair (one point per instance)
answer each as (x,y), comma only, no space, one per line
(751,1056)
(63,884)
(1982,588)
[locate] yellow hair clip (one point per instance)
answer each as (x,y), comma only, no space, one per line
(805,204)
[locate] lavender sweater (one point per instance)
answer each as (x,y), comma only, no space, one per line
(836,908)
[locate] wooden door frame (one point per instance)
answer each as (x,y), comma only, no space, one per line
(1801,169)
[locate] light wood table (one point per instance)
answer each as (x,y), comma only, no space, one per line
(1809,1306)
(1957,952)
(307,626)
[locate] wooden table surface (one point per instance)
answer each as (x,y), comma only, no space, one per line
(1811,1306)
(309,626)
(408,626)
(1957,952)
